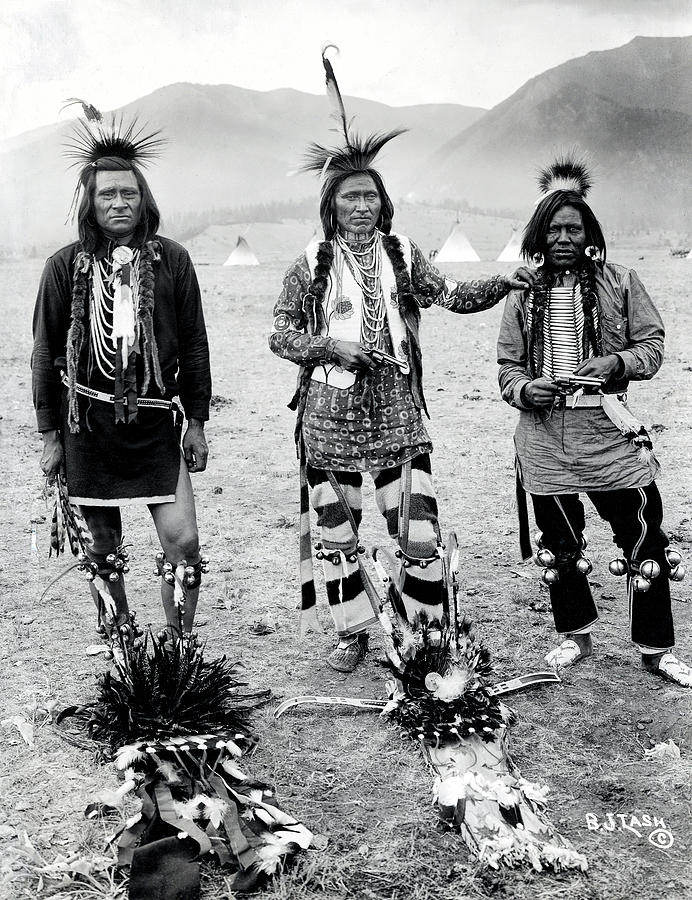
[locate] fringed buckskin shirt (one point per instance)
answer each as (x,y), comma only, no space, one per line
(376,422)
(565,451)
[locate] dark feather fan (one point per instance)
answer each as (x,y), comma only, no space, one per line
(566,173)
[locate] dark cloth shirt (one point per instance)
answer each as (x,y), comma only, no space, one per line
(179,328)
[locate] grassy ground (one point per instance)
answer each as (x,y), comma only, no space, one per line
(348,775)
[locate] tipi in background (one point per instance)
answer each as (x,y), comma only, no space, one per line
(242,255)
(457,247)
(512,251)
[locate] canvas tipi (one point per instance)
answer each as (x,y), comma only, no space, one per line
(457,247)
(512,251)
(242,255)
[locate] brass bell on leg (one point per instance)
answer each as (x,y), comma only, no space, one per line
(545,557)
(678,573)
(618,566)
(674,558)
(584,565)
(649,569)
(640,584)
(550,576)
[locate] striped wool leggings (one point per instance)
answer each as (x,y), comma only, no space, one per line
(635,516)
(421,587)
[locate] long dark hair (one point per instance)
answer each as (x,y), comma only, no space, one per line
(329,189)
(534,237)
(149,215)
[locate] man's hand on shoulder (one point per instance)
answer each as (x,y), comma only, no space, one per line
(195,448)
(51,458)
(520,280)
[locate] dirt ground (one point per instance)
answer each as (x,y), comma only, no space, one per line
(348,775)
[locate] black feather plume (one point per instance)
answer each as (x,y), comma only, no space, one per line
(566,173)
(333,92)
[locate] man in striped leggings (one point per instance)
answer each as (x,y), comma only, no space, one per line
(567,350)
(416,534)
(348,315)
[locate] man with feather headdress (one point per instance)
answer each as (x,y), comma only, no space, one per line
(118,333)
(348,315)
(567,349)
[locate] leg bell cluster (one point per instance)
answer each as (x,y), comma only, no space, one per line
(643,573)
(551,565)
(190,576)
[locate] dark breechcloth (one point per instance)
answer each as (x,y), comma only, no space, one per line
(135,461)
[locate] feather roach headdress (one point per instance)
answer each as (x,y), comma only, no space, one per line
(358,152)
(93,139)
(566,173)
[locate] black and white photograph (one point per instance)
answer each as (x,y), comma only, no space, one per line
(345,430)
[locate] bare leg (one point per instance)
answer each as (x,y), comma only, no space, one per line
(105,525)
(176,525)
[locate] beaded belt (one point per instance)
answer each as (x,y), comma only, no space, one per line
(109,398)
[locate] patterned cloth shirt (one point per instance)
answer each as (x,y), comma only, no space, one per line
(375,423)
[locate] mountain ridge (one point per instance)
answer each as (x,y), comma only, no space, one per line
(230,146)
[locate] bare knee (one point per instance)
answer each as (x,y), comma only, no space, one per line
(105,527)
(183,543)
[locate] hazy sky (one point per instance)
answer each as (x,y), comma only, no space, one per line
(474,52)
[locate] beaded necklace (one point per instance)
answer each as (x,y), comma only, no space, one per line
(104,287)
(365,265)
